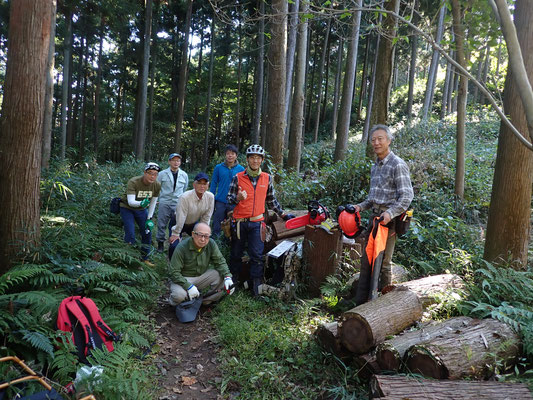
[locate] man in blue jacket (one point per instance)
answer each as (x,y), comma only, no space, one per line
(222,176)
(174,182)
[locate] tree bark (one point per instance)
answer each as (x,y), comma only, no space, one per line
(461,100)
(65,85)
(469,351)
(508,227)
(366,325)
(430,288)
(319,83)
(259,83)
(390,353)
(432,76)
(370,101)
(277,62)
(182,79)
(447,88)
(21,128)
(343,126)
(364,78)
(336,91)
(291,52)
(96,131)
(298,101)
(403,387)
(49,94)
(328,336)
(239,73)
(140,131)
(380,105)
(209,93)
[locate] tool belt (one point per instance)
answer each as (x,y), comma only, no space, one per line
(236,226)
(402,222)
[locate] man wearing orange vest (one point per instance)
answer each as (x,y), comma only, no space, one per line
(249,191)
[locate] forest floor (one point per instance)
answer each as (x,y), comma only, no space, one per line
(187,357)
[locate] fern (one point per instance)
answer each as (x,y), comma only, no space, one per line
(38,341)
(19,274)
(65,362)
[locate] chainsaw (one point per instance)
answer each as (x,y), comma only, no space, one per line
(316,214)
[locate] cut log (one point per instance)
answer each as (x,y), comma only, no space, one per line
(280,232)
(469,351)
(328,337)
(321,252)
(370,323)
(366,366)
(390,353)
(431,287)
(403,387)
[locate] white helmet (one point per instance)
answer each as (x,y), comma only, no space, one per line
(255,149)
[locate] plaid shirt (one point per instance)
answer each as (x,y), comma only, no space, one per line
(270,200)
(390,186)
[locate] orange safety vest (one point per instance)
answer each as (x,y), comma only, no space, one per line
(254,204)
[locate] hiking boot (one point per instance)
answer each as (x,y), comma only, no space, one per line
(149,263)
(160,247)
(255,286)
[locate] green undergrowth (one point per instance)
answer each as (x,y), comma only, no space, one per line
(268,352)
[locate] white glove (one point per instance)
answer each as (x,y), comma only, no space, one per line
(227,283)
(193,292)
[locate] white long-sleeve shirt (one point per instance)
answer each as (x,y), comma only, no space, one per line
(192,209)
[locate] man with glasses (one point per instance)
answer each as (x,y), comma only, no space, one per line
(390,192)
(138,205)
(250,190)
(194,206)
(198,264)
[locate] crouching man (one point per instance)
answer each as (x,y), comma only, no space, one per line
(197,264)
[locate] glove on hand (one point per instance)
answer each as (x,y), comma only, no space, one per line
(349,208)
(193,292)
(286,217)
(228,282)
(149,225)
(145,202)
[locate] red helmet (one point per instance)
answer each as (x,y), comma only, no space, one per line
(350,224)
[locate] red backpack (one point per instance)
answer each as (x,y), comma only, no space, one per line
(80,316)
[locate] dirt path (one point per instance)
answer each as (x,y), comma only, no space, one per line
(187,357)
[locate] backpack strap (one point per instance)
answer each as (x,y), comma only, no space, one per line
(102,327)
(74,308)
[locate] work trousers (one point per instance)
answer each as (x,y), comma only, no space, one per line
(210,279)
(220,214)
(250,233)
(166,219)
(129,218)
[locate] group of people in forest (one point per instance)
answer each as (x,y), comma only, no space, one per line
(240,194)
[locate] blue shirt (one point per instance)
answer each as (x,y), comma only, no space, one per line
(221,179)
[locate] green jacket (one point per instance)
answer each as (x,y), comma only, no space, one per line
(188,260)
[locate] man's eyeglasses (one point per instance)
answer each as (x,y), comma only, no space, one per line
(202,235)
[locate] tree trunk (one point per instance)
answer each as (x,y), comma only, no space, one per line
(49,93)
(291,52)
(326,85)
(370,100)
(369,324)
(390,354)
(336,92)
(140,133)
(431,288)
(433,69)
(484,74)
(239,73)
(328,336)
(412,74)
(21,131)
(298,101)
(469,351)
(65,85)
(277,62)
(343,126)
(259,83)
(209,94)
(320,78)
(96,131)
(461,101)
(406,387)
(447,88)
(364,77)
(84,99)
(182,79)
(508,227)
(151,92)
(380,104)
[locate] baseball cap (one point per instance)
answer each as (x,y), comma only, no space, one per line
(152,165)
(170,157)
(201,175)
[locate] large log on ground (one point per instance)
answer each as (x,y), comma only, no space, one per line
(390,353)
(430,287)
(322,251)
(328,337)
(403,387)
(469,351)
(365,365)
(370,323)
